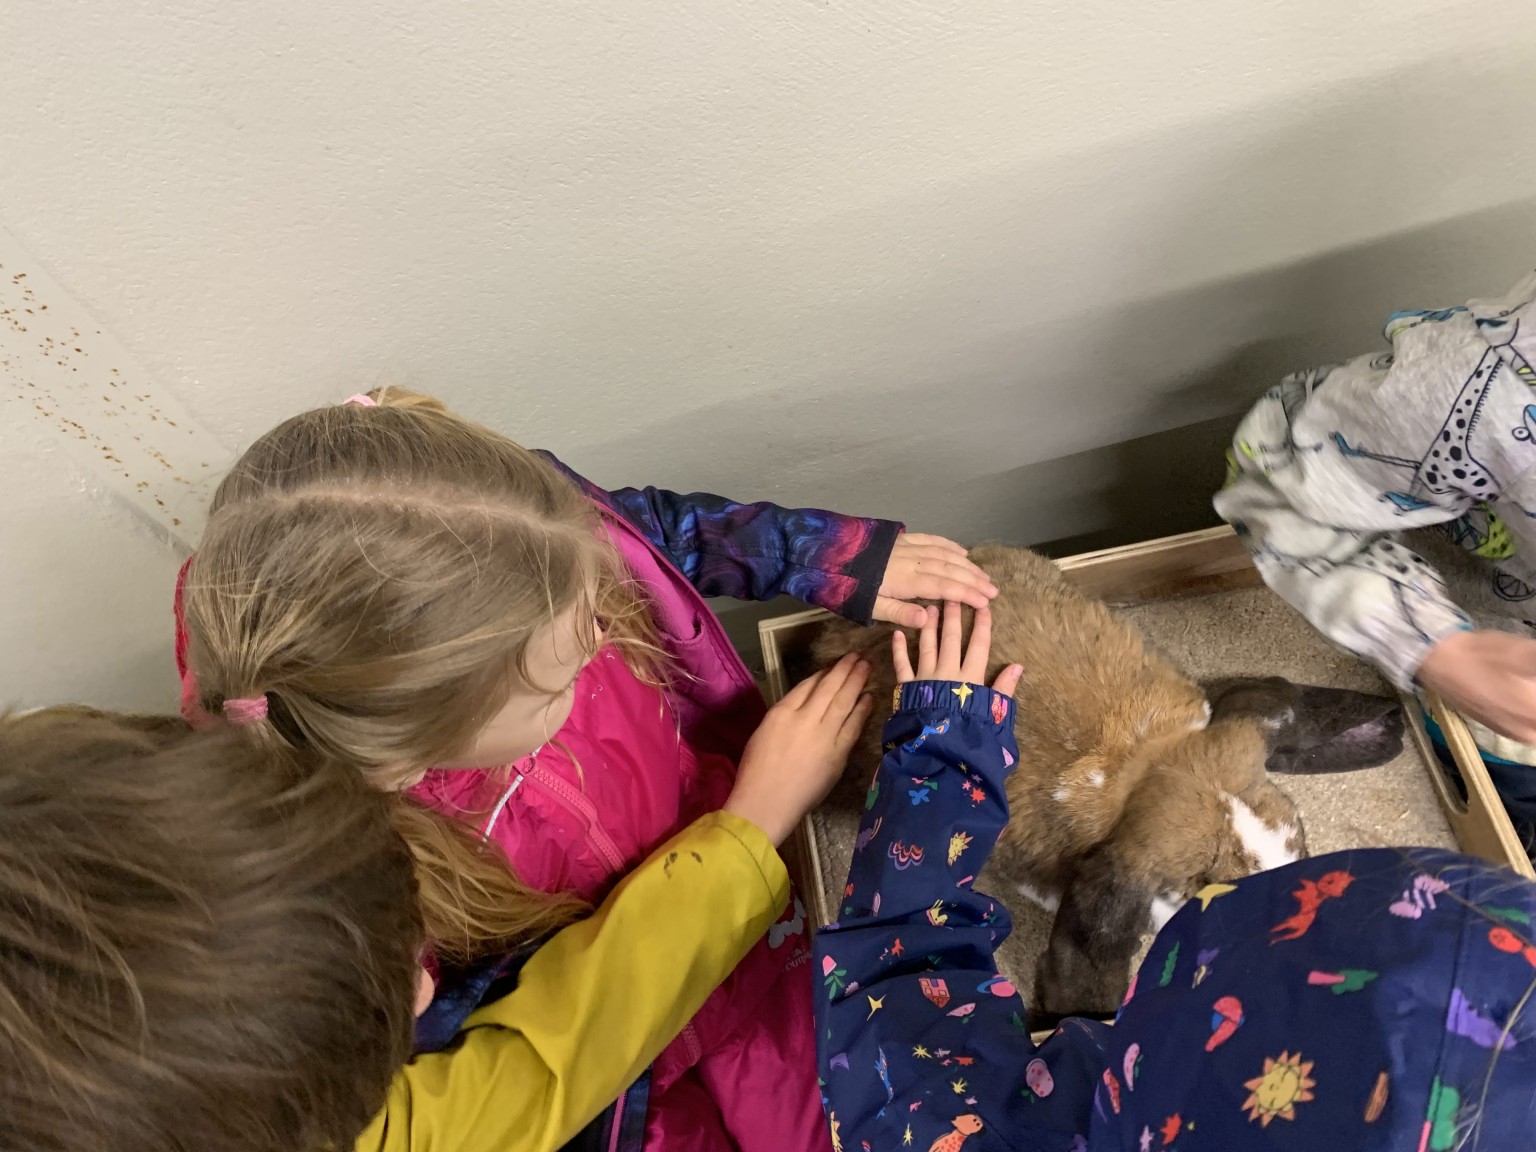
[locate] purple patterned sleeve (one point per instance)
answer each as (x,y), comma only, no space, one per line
(759,551)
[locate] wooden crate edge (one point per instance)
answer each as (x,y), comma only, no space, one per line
(773,665)
(1485,816)
(1154,546)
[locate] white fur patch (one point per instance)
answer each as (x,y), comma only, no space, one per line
(1200,724)
(1050,901)
(1275,723)
(1062,794)
(1096,779)
(1269,846)
(1163,908)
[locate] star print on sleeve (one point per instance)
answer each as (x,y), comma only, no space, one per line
(1211,892)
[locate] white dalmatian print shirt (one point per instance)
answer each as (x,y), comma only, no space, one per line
(1337,476)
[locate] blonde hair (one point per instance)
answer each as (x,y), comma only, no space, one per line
(374,574)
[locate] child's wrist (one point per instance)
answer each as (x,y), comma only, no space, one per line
(953,696)
(763,813)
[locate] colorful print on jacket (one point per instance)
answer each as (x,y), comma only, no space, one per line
(1367,1000)
(760,551)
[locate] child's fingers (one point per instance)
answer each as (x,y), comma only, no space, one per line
(928,644)
(966,592)
(927,553)
(848,734)
(947,579)
(923,540)
(949,640)
(836,681)
(901,657)
(801,692)
(946,556)
(1007,682)
(968,584)
(979,650)
(841,703)
(894,611)
(797,696)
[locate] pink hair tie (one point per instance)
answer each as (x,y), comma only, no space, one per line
(362,399)
(247,710)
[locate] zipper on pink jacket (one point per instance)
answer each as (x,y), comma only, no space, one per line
(576,802)
(569,798)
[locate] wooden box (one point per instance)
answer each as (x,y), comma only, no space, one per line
(1213,560)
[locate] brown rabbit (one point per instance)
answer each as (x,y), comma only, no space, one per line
(1134,788)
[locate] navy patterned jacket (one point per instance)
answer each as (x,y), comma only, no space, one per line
(1366,1000)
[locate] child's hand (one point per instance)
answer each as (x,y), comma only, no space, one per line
(1489,676)
(938,657)
(801,748)
(929,568)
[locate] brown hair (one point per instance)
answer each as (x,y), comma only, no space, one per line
(375,574)
(202,945)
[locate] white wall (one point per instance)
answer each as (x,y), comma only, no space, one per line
(921,259)
(86,590)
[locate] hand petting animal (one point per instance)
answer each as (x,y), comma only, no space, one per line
(1136,789)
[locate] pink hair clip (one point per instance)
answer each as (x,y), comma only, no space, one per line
(246,710)
(362,399)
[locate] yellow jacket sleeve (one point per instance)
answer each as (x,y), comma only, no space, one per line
(595,1005)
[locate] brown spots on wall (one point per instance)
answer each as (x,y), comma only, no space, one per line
(82,385)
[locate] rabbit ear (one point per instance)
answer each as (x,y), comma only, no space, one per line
(1339,731)
(1087,965)
(1312,730)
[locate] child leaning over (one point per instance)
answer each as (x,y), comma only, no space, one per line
(532,657)
(208,946)
(1364,1000)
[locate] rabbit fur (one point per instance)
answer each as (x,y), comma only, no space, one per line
(1135,788)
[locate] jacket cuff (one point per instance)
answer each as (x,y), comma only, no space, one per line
(770,865)
(1401,666)
(956,698)
(868,570)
